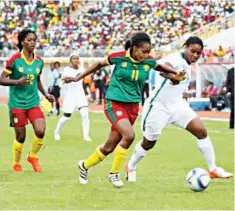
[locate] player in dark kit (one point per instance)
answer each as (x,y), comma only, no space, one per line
(22,74)
(122,101)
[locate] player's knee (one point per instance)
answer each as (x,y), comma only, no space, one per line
(147,145)
(20,138)
(129,137)
(107,150)
(202,133)
(40,133)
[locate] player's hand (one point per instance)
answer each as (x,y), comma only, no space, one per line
(23,81)
(179,76)
(50,98)
(69,79)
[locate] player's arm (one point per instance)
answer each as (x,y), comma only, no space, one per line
(6,81)
(167,71)
(93,68)
(42,90)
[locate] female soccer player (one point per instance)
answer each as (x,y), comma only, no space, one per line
(22,74)
(74,98)
(166,105)
(122,101)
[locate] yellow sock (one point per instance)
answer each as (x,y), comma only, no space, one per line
(17,149)
(94,159)
(120,155)
(36,146)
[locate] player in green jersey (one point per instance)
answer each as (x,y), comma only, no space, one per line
(122,101)
(22,74)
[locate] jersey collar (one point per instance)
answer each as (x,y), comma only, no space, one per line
(25,59)
(128,54)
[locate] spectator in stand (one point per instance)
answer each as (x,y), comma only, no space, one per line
(105,24)
(220,53)
(210,89)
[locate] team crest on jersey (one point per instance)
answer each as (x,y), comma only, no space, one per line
(146,67)
(38,70)
(124,64)
(119,113)
(21,69)
(16,120)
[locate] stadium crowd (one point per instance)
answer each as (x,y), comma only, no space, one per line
(106,24)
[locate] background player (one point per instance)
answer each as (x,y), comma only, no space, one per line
(22,74)
(166,105)
(74,98)
(122,101)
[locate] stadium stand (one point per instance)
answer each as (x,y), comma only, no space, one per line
(94,30)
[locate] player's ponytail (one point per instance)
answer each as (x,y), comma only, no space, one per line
(127,45)
(193,40)
(22,35)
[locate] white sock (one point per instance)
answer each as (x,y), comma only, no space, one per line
(206,147)
(138,154)
(61,123)
(85,121)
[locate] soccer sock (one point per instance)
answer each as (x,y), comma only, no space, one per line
(17,149)
(85,121)
(120,155)
(138,154)
(94,159)
(36,146)
(61,123)
(206,147)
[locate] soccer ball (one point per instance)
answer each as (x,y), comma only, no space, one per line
(198,179)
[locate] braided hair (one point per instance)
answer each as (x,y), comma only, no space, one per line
(22,35)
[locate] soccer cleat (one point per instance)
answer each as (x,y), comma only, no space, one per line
(17,168)
(87,139)
(35,164)
(83,173)
(57,136)
(130,174)
(220,173)
(114,178)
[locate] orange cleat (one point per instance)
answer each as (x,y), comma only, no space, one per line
(220,173)
(17,168)
(35,164)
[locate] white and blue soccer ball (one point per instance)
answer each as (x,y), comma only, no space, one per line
(198,179)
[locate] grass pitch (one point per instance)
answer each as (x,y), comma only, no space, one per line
(160,176)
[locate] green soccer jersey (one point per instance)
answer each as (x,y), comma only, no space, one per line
(128,77)
(24,97)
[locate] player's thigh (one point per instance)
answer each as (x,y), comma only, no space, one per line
(154,119)
(183,115)
(117,115)
(69,105)
(82,101)
(37,119)
(18,117)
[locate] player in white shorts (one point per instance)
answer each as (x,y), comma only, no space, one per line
(74,98)
(166,105)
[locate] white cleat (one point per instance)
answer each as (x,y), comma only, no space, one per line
(220,173)
(57,136)
(87,139)
(83,173)
(130,174)
(114,178)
